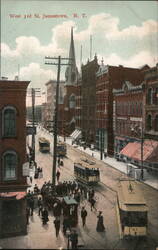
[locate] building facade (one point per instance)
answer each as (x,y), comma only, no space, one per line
(13,183)
(129,118)
(51,102)
(71,80)
(135,130)
(151,103)
(88,93)
(102,93)
(109,78)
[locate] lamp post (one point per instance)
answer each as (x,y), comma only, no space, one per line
(142,141)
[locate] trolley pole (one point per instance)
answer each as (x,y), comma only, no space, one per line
(56,112)
(33,124)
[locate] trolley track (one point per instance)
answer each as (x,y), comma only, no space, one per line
(95,187)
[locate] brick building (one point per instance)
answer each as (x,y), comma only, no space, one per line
(109,78)
(102,93)
(129,117)
(88,93)
(13,183)
(132,111)
(151,103)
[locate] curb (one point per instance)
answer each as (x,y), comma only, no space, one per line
(76,149)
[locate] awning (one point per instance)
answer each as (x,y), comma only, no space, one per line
(133,150)
(119,138)
(130,149)
(76,134)
(18,195)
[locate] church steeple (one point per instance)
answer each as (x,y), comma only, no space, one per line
(71,73)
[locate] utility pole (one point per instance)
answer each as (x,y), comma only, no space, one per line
(101,144)
(33,124)
(56,111)
(142,142)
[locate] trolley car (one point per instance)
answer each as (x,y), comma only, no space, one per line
(70,210)
(61,149)
(131,210)
(44,145)
(87,171)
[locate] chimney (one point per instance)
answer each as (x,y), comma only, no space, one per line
(16,78)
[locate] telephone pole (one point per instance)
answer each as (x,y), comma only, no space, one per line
(59,64)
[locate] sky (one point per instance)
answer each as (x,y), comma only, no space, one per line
(123,33)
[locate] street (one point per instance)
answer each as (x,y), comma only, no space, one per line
(106,197)
(105,193)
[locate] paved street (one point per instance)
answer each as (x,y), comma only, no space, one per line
(40,236)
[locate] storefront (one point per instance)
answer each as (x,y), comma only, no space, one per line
(12,214)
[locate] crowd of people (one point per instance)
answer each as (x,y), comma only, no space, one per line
(50,197)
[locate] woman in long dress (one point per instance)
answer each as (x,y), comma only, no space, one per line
(100,223)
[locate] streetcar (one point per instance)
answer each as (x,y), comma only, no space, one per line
(44,145)
(87,171)
(70,210)
(132,210)
(61,149)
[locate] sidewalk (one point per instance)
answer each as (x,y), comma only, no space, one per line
(150,179)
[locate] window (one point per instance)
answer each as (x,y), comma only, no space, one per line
(149,96)
(9,165)
(149,123)
(141,109)
(9,121)
(156,123)
(72,101)
(156,96)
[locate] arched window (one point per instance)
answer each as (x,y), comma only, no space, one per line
(10,162)
(141,110)
(155,101)
(9,121)
(72,101)
(149,122)
(150,96)
(156,123)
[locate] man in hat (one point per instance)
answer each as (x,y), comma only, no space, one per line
(83,216)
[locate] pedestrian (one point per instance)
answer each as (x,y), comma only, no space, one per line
(92,202)
(61,163)
(89,195)
(27,215)
(36,189)
(100,224)
(66,225)
(57,225)
(83,216)
(40,173)
(45,218)
(85,192)
(31,179)
(74,239)
(31,204)
(105,154)
(92,193)
(58,175)
(40,206)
